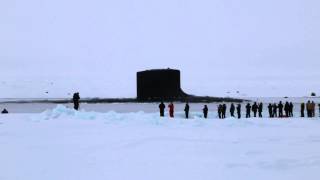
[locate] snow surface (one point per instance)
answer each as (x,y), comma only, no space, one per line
(64,144)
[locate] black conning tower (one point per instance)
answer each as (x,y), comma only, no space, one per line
(160,84)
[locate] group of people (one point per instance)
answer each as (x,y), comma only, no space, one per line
(275,110)
(162,108)
(311,109)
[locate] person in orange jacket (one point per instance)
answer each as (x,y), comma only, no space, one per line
(171,110)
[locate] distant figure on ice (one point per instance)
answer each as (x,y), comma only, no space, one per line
(280,108)
(286,109)
(275,110)
(4,111)
(232,109)
(254,109)
(309,109)
(260,109)
(319,109)
(302,109)
(248,108)
(270,110)
(239,111)
(186,110)
(220,111)
(205,111)
(224,110)
(161,108)
(171,110)
(76,101)
(313,109)
(291,109)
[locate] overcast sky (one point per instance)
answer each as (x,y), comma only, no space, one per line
(97,46)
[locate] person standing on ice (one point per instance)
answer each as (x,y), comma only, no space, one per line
(220,111)
(260,109)
(171,110)
(286,109)
(254,109)
(248,108)
(280,108)
(232,109)
(309,109)
(205,111)
(275,110)
(302,109)
(161,108)
(270,110)
(239,111)
(76,101)
(291,109)
(313,109)
(224,110)
(186,110)
(319,109)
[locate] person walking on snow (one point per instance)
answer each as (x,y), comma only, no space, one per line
(171,110)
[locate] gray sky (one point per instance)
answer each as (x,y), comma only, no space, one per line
(97,46)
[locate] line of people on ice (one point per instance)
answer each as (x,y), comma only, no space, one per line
(275,110)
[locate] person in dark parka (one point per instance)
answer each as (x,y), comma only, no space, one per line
(224,110)
(248,109)
(239,111)
(220,111)
(291,109)
(319,109)
(186,110)
(302,109)
(270,110)
(232,109)
(280,108)
(161,108)
(286,109)
(4,111)
(254,109)
(76,100)
(205,111)
(260,109)
(275,110)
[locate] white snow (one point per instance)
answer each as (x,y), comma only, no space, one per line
(64,144)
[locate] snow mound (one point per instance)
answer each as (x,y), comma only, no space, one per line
(63,113)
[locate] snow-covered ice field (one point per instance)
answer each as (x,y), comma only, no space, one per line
(61,144)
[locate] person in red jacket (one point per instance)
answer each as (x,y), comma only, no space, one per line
(171,109)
